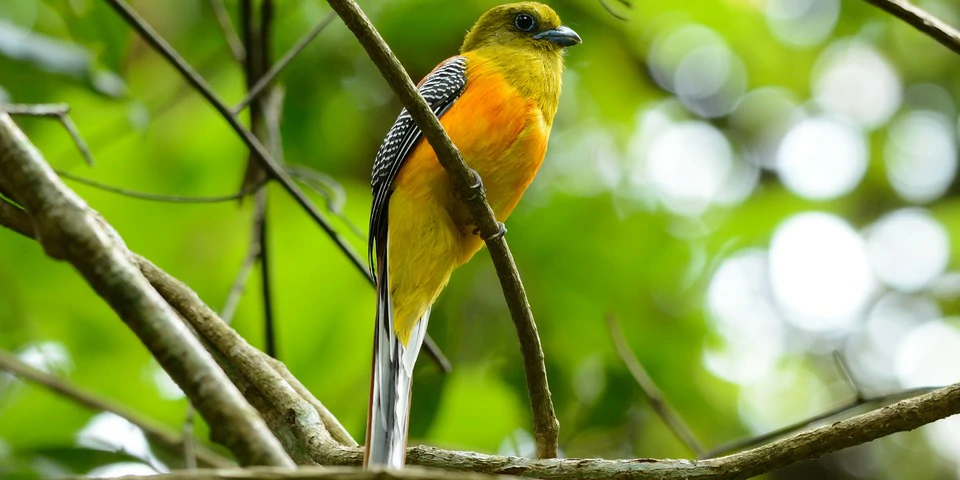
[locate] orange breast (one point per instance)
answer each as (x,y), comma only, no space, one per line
(499,133)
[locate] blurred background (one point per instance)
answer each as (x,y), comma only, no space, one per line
(748,186)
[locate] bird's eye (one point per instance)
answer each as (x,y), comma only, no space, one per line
(525,22)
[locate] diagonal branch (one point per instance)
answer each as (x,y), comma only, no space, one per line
(69,230)
(272,165)
(268,77)
(546,428)
(155,432)
(921,20)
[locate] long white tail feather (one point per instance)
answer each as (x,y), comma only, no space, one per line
(389,410)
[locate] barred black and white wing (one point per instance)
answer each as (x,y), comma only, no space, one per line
(440,89)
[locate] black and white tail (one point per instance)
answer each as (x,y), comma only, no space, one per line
(388,415)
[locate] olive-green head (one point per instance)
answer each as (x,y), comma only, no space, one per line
(522,25)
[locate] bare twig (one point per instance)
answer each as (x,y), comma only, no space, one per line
(922,21)
(546,428)
(60,112)
(612,12)
(240,281)
(657,401)
(67,229)
(275,168)
(153,197)
(808,422)
(156,433)
(229,33)
(268,77)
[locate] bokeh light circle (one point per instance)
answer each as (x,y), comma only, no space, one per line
(822,158)
(908,249)
(855,81)
(819,272)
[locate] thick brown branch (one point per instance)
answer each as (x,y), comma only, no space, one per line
(157,434)
(546,429)
(69,230)
(921,20)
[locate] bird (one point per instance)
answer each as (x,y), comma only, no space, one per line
(496,100)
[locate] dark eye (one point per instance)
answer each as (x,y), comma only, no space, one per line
(525,22)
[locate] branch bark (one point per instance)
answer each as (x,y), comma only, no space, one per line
(921,20)
(157,434)
(902,416)
(546,428)
(68,230)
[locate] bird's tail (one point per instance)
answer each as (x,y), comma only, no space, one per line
(388,414)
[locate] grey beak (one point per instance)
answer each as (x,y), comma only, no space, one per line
(563,36)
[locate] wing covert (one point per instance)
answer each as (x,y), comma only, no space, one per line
(440,89)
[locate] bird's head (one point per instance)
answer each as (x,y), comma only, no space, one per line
(523,25)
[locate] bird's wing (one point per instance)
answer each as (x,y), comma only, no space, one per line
(440,89)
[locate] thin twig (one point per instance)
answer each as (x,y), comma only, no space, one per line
(69,230)
(189,443)
(921,20)
(249,261)
(845,371)
(275,168)
(60,112)
(153,197)
(156,433)
(229,33)
(546,428)
(657,401)
(748,442)
(612,12)
(265,80)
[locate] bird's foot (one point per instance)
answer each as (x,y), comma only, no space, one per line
(477,186)
(498,234)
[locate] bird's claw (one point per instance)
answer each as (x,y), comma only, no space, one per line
(500,233)
(477,187)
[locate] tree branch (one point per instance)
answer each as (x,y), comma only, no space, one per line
(546,428)
(68,230)
(902,416)
(921,20)
(157,434)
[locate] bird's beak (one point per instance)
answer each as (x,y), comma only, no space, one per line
(563,36)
